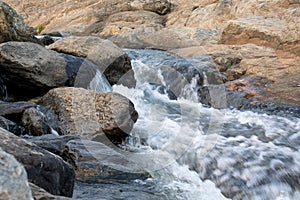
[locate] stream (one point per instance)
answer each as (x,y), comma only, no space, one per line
(196,152)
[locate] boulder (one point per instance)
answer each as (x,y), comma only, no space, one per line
(11,126)
(12,26)
(91,160)
(41,194)
(89,113)
(44,169)
(31,69)
(98,163)
(13,179)
(111,60)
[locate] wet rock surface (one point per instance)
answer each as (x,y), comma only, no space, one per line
(44,169)
(13,179)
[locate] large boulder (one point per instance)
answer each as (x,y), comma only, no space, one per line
(13,179)
(44,169)
(90,114)
(12,26)
(98,163)
(111,60)
(91,160)
(30,68)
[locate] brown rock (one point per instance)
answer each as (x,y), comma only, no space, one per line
(270,32)
(81,16)
(90,114)
(12,26)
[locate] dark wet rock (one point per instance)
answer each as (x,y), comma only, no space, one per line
(57,145)
(44,169)
(110,59)
(11,126)
(89,113)
(99,163)
(31,69)
(14,110)
(12,26)
(41,194)
(35,122)
(13,179)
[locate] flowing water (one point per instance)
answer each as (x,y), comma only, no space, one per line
(195,152)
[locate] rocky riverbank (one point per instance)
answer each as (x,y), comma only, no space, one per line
(56,100)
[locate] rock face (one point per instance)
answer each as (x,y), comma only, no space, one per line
(83,16)
(110,59)
(90,114)
(44,169)
(13,179)
(270,32)
(30,68)
(12,26)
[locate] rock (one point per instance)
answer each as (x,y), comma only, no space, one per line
(44,169)
(56,144)
(122,23)
(14,110)
(85,74)
(41,194)
(98,163)
(31,69)
(12,26)
(90,159)
(260,30)
(111,60)
(89,113)
(11,126)
(84,16)
(13,179)
(35,122)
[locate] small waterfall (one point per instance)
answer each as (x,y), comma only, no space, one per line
(99,83)
(247,155)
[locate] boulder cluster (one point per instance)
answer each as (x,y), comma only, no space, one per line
(49,114)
